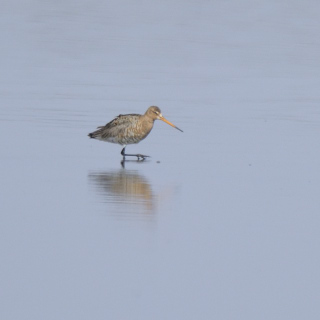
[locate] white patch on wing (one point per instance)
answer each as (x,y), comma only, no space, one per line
(110,139)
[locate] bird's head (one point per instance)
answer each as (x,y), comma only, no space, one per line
(155,113)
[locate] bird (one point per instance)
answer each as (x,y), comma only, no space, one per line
(130,129)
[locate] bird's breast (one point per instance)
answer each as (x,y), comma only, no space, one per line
(136,133)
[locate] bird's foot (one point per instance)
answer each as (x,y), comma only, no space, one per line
(142,157)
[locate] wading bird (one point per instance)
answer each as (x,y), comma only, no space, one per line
(129,129)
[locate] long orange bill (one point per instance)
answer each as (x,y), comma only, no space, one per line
(168,122)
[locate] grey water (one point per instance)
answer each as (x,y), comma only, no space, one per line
(221,222)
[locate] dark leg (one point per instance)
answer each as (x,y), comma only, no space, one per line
(123,153)
(142,156)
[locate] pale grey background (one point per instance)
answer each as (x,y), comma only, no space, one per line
(226,226)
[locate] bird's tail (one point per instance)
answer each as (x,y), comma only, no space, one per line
(96,134)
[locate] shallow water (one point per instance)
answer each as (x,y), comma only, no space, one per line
(221,222)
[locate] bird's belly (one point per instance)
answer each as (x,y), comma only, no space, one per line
(127,138)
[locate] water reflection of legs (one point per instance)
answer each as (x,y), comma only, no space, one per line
(123,161)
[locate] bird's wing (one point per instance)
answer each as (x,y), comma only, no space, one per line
(121,120)
(118,125)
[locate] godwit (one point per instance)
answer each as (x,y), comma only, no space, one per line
(129,128)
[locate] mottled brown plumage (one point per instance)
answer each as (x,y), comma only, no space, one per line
(129,128)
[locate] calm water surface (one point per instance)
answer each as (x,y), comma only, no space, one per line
(221,222)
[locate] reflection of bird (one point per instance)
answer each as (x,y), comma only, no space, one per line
(125,189)
(130,128)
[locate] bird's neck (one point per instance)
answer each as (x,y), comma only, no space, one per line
(148,119)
